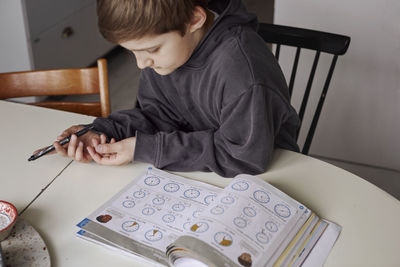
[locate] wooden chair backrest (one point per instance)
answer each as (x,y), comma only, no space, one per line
(321,42)
(61,82)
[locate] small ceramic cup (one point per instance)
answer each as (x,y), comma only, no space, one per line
(8,217)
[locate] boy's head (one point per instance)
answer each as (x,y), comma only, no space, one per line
(161,33)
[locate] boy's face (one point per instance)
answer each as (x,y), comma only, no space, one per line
(165,52)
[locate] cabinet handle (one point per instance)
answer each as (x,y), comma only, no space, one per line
(67,32)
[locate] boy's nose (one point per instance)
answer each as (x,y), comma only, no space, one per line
(144,62)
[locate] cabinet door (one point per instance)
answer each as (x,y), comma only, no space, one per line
(74,42)
(44,14)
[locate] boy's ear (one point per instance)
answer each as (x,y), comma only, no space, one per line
(199,17)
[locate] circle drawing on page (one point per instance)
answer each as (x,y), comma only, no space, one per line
(282,210)
(171,187)
(153,235)
(139,194)
(148,211)
(227,200)
(128,204)
(271,226)
(152,181)
(178,207)
(217,210)
(249,211)
(240,222)
(261,196)
(191,193)
(240,186)
(223,239)
(168,218)
(209,199)
(130,226)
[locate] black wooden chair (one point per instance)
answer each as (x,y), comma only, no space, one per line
(333,44)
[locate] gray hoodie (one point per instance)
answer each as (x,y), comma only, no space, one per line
(224,110)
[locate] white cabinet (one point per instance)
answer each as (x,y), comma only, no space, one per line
(45,34)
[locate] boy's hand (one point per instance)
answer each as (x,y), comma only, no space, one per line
(76,148)
(114,153)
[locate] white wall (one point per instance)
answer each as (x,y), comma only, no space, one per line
(360,121)
(14,50)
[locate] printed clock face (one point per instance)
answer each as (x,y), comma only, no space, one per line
(210,198)
(153,235)
(199,227)
(178,207)
(148,211)
(152,181)
(130,226)
(197,213)
(227,200)
(223,239)
(139,194)
(249,211)
(282,210)
(128,204)
(261,196)
(262,238)
(240,222)
(168,218)
(271,226)
(158,201)
(171,187)
(217,210)
(240,186)
(191,193)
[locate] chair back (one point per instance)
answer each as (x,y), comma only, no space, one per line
(329,43)
(61,82)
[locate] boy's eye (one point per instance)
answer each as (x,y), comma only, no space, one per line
(153,50)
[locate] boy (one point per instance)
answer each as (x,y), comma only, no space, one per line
(211,95)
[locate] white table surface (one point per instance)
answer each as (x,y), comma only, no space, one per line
(369,216)
(24,129)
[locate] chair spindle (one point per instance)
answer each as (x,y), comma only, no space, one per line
(314,122)
(278,49)
(294,70)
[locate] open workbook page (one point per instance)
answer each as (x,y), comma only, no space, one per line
(249,223)
(171,220)
(149,214)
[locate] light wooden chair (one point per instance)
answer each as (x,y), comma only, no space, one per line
(61,82)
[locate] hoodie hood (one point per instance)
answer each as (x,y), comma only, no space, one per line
(231,14)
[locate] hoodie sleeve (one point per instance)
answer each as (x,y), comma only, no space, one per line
(153,118)
(244,142)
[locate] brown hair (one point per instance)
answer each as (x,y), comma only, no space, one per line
(123,20)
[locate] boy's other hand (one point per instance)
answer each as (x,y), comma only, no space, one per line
(77,146)
(113,153)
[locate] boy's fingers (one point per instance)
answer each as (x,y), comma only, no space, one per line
(95,142)
(103,139)
(95,156)
(112,141)
(102,159)
(59,149)
(107,148)
(79,152)
(72,146)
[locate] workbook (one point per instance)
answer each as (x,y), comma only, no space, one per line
(169,220)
